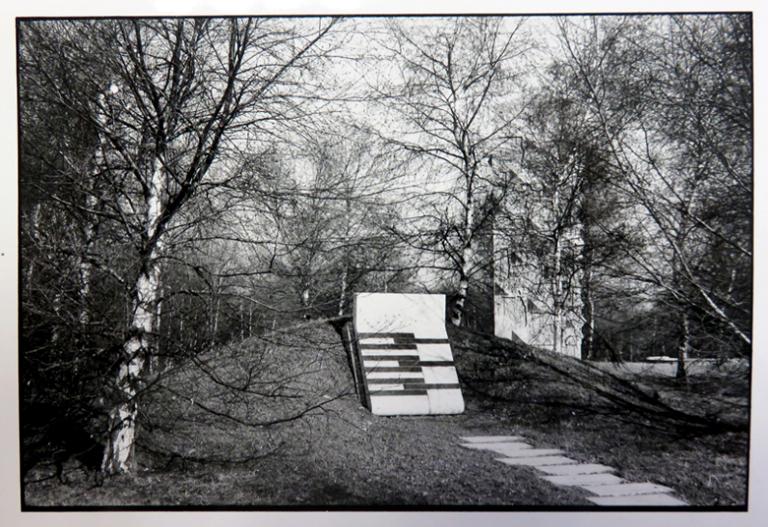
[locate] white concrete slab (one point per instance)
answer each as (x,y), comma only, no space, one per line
(627,489)
(399,404)
(572,470)
(380,364)
(440,375)
(388,352)
(377,340)
(422,315)
(385,387)
(394,375)
(532,452)
(581,480)
(445,401)
(429,352)
(378,314)
(485,446)
(640,500)
(536,461)
(490,439)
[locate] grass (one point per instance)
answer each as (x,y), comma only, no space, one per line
(339,455)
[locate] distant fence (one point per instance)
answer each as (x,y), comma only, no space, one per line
(668,368)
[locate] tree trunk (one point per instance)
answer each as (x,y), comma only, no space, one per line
(467,256)
(343,293)
(557,285)
(682,350)
(345,270)
(587,304)
(118,454)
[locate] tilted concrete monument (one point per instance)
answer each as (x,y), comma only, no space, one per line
(405,354)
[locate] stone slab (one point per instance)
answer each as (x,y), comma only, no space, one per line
(584,480)
(399,405)
(536,461)
(406,325)
(639,500)
(572,470)
(512,451)
(445,401)
(627,489)
(420,314)
(490,439)
(494,446)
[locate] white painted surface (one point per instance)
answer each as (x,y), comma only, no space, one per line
(377,340)
(440,375)
(394,375)
(422,315)
(385,352)
(399,405)
(384,387)
(429,352)
(445,401)
(380,364)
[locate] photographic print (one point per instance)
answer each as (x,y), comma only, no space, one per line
(431,263)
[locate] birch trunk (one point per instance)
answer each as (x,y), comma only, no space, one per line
(682,350)
(587,304)
(118,454)
(556,278)
(345,270)
(467,256)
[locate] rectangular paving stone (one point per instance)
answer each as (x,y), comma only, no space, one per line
(639,500)
(491,439)
(536,461)
(627,489)
(512,447)
(511,452)
(584,480)
(572,470)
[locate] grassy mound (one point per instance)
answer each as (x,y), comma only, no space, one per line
(243,402)
(273,422)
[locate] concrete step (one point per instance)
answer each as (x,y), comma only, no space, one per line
(536,461)
(572,470)
(585,480)
(490,439)
(639,500)
(627,489)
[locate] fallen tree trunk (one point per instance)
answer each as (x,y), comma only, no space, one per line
(623,393)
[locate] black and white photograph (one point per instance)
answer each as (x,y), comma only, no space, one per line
(472,262)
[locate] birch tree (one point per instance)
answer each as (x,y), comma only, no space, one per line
(179,91)
(447,92)
(671,99)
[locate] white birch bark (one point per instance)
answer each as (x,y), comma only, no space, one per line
(467,256)
(557,284)
(118,454)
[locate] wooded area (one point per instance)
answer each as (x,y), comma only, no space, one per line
(187,184)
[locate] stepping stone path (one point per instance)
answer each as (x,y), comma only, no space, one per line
(609,489)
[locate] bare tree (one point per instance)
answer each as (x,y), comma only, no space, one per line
(451,95)
(177,92)
(670,100)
